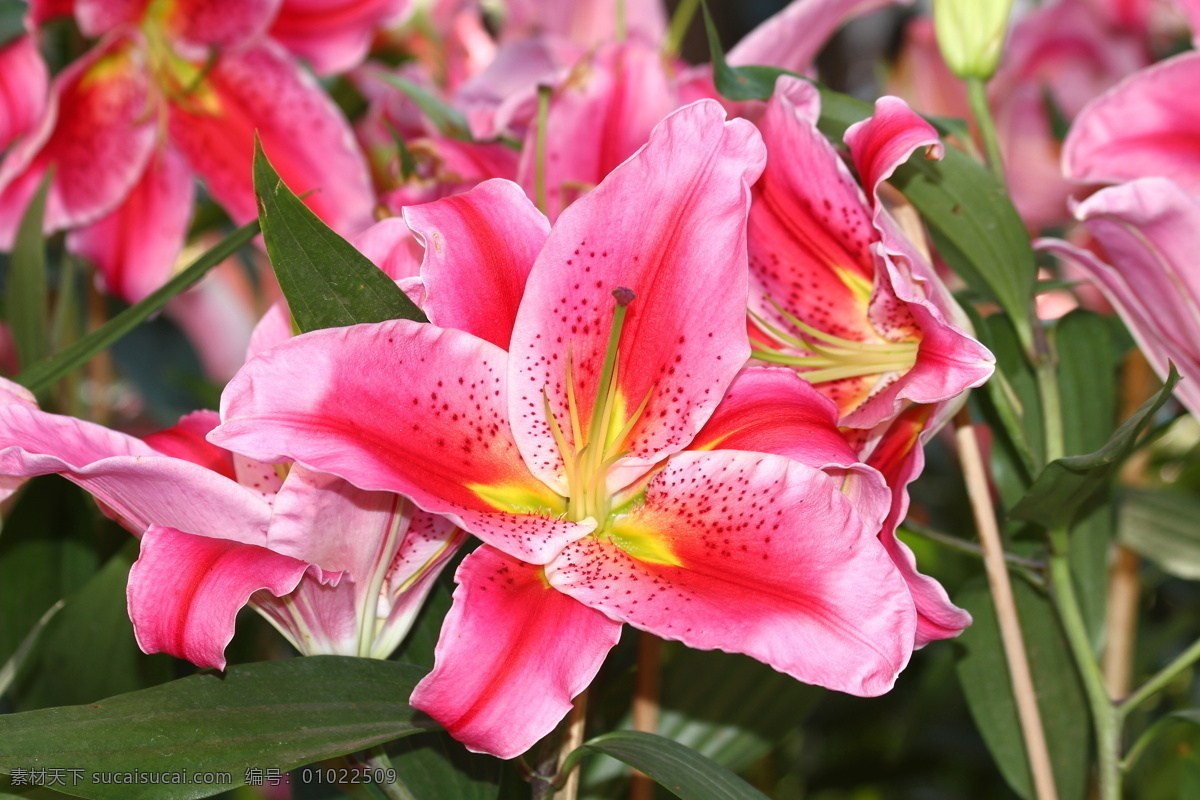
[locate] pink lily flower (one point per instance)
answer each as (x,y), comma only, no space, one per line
(129,124)
(335,569)
(1147,125)
(24,85)
(837,290)
(567,454)
(1150,229)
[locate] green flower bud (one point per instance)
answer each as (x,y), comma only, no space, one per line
(970,34)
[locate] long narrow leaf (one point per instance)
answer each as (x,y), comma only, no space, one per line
(25,294)
(270,715)
(43,374)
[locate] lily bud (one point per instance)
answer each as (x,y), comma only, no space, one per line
(970,34)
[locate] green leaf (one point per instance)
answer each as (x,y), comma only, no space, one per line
(46,554)
(328,283)
(88,650)
(725,706)
(681,770)
(975,228)
(12,20)
(1067,484)
(274,714)
(983,674)
(1161,526)
(25,293)
(1087,377)
(435,767)
(43,374)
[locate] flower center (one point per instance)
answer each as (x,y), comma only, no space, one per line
(831,358)
(590,453)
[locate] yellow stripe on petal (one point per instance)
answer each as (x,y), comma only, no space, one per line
(859,286)
(642,543)
(519,499)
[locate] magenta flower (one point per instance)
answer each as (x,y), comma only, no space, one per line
(1150,232)
(130,123)
(567,454)
(838,292)
(334,568)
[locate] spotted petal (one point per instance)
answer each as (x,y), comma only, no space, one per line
(668,224)
(400,407)
(755,554)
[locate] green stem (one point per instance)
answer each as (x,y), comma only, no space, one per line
(539,153)
(1105,717)
(1030,569)
(622,29)
(377,759)
(977,96)
(681,20)
(1161,678)
(1048,390)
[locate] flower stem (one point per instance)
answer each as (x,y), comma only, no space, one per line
(645,704)
(568,784)
(1105,717)
(539,151)
(681,20)
(1161,678)
(977,96)
(377,759)
(1030,569)
(1006,608)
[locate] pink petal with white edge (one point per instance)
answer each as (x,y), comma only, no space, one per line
(792,38)
(479,248)
(670,225)
(401,407)
(1151,228)
(429,544)
(334,35)
(303,133)
(900,456)
(136,246)
(24,86)
(512,654)
(1147,125)
(185,591)
(753,554)
(774,410)
(138,485)
(97,131)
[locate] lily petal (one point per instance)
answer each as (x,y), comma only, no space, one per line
(437,434)
(1147,125)
(1151,228)
(185,591)
(24,86)
(793,578)
(303,133)
(479,248)
(97,132)
(186,440)
(334,35)
(196,24)
(137,484)
(512,654)
(792,38)
(669,225)
(136,246)
(900,456)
